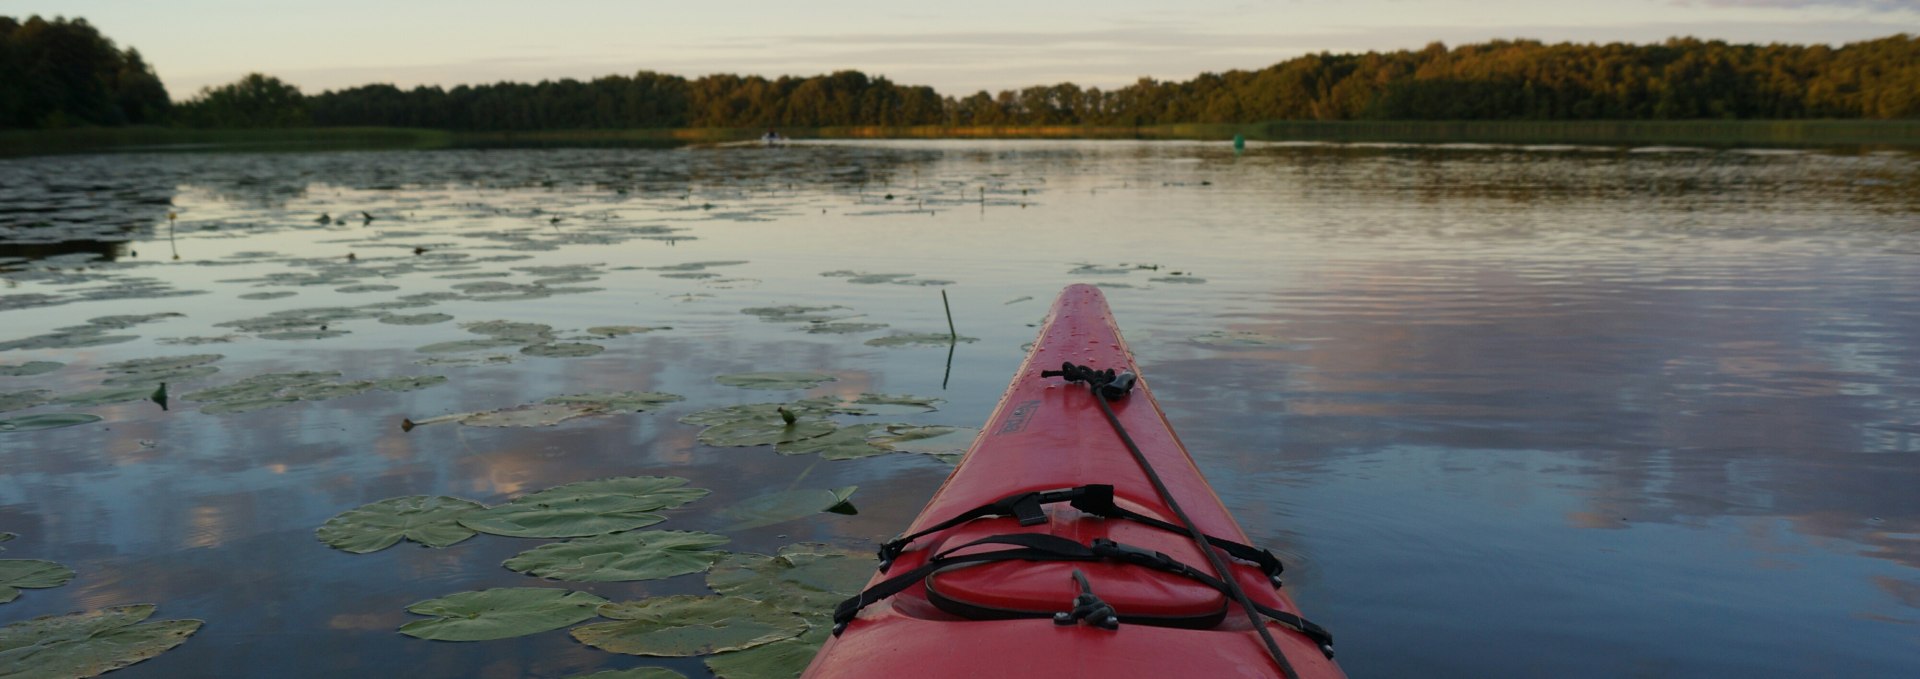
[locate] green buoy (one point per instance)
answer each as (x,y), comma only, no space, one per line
(1239,142)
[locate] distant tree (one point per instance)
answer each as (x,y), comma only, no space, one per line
(254,100)
(62,72)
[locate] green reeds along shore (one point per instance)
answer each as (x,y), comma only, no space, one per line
(1712,133)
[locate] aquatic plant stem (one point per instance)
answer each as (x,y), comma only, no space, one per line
(952,335)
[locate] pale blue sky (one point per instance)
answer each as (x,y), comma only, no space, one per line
(957,47)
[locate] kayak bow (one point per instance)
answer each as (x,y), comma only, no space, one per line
(1067,544)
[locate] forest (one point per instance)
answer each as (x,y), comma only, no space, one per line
(62,73)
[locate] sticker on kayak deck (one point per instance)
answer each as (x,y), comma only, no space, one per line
(1018,419)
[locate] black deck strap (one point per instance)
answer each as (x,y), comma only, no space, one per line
(1044,547)
(1095,499)
(1025,507)
(1029,547)
(1110,385)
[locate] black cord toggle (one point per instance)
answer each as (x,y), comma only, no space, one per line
(1110,385)
(1088,606)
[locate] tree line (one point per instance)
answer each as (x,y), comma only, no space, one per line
(1682,78)
(62,73)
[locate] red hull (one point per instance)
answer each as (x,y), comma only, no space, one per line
(1046,435)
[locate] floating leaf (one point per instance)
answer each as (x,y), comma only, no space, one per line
(784,506)
(18,400)
(918,339)
(778,660)
(765,432)
(846,443)
(682,626)
(521,333)
(367,287)
(697,266)
(843,328)
(499,613)
(409,383)
(47,421)
(88,644)
(429,520)
(585,508)
(496,359)
(18,574)
(792,313)
(416,319)
(941,442)
(620,330)
(633,555)
(534,415)
(634,673)
(774,380)
(301,334)
(804,578)
(268,295)
(458,346)
(619,401)
(925,403)
(29,369)
(562,349)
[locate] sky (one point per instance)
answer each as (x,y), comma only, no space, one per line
(957,47)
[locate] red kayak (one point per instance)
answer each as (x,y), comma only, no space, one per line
(1066,544)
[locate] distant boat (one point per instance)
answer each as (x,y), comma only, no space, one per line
(772,138)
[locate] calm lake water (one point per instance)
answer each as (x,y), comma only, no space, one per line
(1567,412)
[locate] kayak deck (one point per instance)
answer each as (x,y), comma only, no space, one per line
(1047,434)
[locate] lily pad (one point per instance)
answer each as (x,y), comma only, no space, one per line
(585,508)
(683,626)
(301,334)
(918,339)
(788,505)
(622,330)
(805,578)
(47,421)
(429,520)
(499,613)
(18,574)
(29,369)
(458,346)
(775,380)
(619,401)
(1178,279)
(633,555)
(765,431)
(562,349)
(947,445)
(633,673)
(778,660)
(409,383)
(88,644)
(843,328)
(268,295)
(175,375)
(416,319)
(19,400)
(846,443)
(697,266)
(793,313)
(532,415)
(923,403)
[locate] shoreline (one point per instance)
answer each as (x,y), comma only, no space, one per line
(1832,134)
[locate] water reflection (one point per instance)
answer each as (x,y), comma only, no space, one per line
(1625,412)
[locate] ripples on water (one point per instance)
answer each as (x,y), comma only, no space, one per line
(1509,412)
